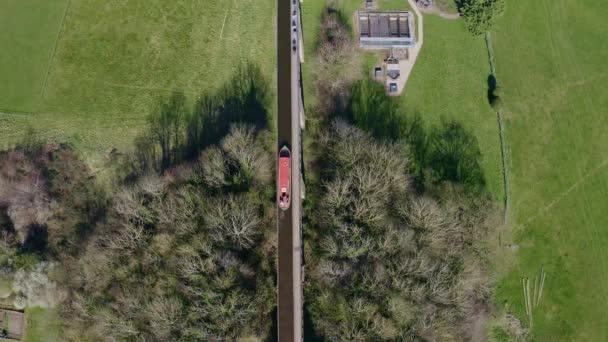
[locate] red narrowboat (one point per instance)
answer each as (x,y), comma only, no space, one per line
(284,190)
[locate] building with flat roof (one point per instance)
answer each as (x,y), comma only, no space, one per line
(385,30)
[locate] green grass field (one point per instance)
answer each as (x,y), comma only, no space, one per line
(449,82)
(43,325)
(551,61)
(113,61)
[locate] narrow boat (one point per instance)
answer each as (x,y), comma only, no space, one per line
(284,186)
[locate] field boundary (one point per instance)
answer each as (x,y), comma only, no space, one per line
(502,135)
(54,50)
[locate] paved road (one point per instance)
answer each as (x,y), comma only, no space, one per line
(289,273)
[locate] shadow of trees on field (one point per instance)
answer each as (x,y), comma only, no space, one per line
(177,133)
(446,151)
(453,155)
(494,93)
(370,109)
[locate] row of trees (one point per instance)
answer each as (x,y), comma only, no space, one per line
(337,62)
(386,262)
(184,256)
(180,247)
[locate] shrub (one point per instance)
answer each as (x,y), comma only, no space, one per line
(479,14)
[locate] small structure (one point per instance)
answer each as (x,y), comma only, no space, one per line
(392,31)
(393,72)
(12,324)
(378,74)
(424,4)
(384,30)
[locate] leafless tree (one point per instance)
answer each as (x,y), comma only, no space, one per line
(164,314)
(337,59)
(179,212)
(213,167)
(233,219)
(242,147)
(127,237)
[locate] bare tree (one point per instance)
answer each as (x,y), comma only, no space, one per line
(242,146)
(127,237)
(337,58)
(179,212)
(233,219)
(165,315)
(213,167)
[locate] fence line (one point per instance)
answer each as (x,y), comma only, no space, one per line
(503,139)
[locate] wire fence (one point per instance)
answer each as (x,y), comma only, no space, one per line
(501,130)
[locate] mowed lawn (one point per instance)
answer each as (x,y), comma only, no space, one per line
(113,61)
(551,61)
(448,82)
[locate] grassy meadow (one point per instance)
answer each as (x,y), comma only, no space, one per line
(550,58)
(89,72)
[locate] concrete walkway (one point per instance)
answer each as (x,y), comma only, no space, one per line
(406,65)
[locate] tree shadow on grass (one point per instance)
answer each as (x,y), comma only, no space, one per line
(372,110)
(445,152)
(453,155)
(491,87)
(243,99)
(176,133)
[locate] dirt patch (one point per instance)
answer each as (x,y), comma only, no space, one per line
(433,9)
(478,323)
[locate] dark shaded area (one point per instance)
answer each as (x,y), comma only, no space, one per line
(274,327)
(83,203)
(372,110)
(454,155)
(36,240)
(244,98)
(6,224)
(491,88)
(494,93)
(415,136)
(165,128)
(177,133)
(310,333)
(460,4)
